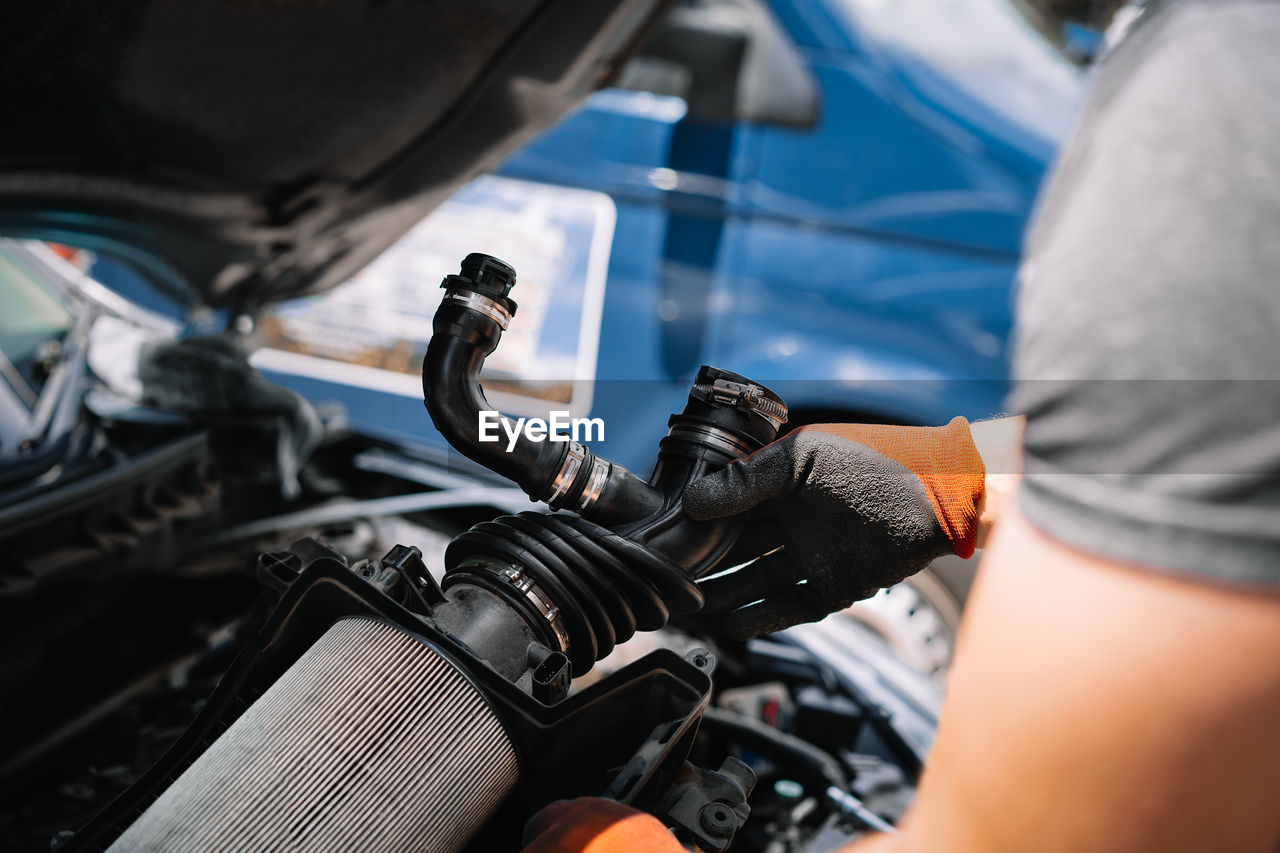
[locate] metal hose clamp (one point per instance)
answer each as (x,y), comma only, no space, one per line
(595,485)
(568,471)
(751,398)
(491,308)
(515,576)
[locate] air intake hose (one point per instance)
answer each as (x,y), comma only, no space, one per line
(629,555)
(467,327)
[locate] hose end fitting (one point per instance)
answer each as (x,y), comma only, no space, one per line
(485,276)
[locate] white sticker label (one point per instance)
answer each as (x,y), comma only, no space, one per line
(373,330)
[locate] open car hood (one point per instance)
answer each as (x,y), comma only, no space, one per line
(252,152)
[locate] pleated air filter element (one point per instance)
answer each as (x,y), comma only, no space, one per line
(370,741)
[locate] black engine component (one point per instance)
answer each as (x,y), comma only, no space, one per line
(629,556)
(372,689)
(587,742)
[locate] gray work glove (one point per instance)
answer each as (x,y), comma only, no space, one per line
(838,512)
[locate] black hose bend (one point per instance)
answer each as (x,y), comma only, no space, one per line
(814,767)
(566,475)
(629,556)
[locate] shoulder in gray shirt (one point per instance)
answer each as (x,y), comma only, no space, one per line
(1148,344)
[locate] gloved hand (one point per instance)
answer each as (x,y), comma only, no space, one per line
(594,825)
(852,508)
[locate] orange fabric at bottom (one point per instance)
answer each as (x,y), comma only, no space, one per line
(593,825)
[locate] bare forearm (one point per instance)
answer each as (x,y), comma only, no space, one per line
(999,442)
(1058,641)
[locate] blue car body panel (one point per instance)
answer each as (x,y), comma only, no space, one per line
(864,265)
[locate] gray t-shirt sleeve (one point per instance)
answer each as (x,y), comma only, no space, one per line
(1148,340)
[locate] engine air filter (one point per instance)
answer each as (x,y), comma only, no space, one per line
(371,741)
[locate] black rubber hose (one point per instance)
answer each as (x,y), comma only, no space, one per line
(645,605)
(465,330)
(454,400)
(605,587)
(813,767)
(630,556)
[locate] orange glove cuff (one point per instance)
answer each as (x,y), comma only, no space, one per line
(944,458)
(593,825)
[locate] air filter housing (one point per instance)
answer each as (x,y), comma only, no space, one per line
(372,740)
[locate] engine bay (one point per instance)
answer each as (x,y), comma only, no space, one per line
(362,662)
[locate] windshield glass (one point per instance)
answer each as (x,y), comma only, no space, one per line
(32,323)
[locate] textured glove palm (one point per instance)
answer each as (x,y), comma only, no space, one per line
(839,511)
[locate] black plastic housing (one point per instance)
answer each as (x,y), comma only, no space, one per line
(590,741)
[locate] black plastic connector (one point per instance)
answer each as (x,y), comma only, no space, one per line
(487,276)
